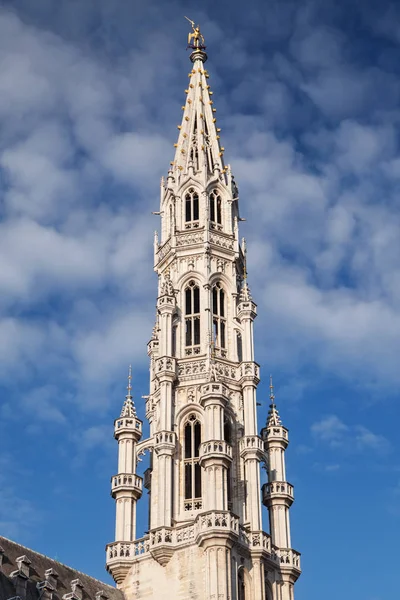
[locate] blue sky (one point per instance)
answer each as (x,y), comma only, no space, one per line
(308,101)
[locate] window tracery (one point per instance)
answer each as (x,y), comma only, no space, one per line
(219,318)
(191,209)
(192,319)
(192,469)
(215,210)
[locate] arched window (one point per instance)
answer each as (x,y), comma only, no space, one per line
(192,469)
(192,319)
(228,438)
(239,346)
(215,210)
(241,585)
(219,316)
(191,209)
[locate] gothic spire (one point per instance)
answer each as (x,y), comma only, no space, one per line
(128,408)
(273,418)
(198,146)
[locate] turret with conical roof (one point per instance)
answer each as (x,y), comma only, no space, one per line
(126,485)
(277,493)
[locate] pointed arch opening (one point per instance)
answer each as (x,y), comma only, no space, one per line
(192,435)
(241,583)
(191,209)
(215,210)
(219,318)
(192,318)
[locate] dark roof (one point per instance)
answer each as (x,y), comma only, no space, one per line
(41,563)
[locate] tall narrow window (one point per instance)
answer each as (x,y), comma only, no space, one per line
(192,319)
(239,346)
(191,209)
(241,586)
(219,318)
(228,438)
(192,469)
(215,210)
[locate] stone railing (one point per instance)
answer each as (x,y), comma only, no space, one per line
(165,365)
(251,442)
(165,437)
(186,534)
(260,540)
(126,481)
(127,550)
(250,370)
(275,489)
(222,240)
(128,423)
(217,519)
(189,238)
(286,557)
(216,448)
(174,537)
(163,250)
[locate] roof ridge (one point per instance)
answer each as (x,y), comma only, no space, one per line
(2,537)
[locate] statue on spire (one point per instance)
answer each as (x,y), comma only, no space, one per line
(196,36)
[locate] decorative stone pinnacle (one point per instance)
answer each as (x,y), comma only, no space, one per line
(245,294)
(273,418)
(128,408)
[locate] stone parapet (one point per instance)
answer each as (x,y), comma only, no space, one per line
(126,482)
(166,367)
(249,372)
(165,442)
(128,427)
(277,490)
(251,446)
(215,451)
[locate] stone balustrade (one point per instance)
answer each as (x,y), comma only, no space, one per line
(260,540)
(217,519)
(277,489)
(209,521)
(164,250)
(190,239)
(216,449)
(164,437)
(126,482)
(286,557)
(251,443)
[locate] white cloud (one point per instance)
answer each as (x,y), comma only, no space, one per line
(330,429)
(334,432)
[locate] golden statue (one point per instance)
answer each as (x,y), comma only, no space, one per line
(195,35)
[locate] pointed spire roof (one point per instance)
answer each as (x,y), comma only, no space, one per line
(128,408)
(245,294)
(198,146)
(273,418)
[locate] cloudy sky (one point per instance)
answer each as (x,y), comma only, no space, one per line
(308,100)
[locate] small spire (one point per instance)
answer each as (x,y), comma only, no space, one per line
(271,390)
(128,408)
(273,418)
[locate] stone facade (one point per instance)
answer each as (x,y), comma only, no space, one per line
(205,539)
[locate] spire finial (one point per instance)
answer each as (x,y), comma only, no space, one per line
(244,250)
(271,390)
(273,417)
(128,408)
(129,387)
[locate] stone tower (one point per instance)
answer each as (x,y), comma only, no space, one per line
(205,538)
